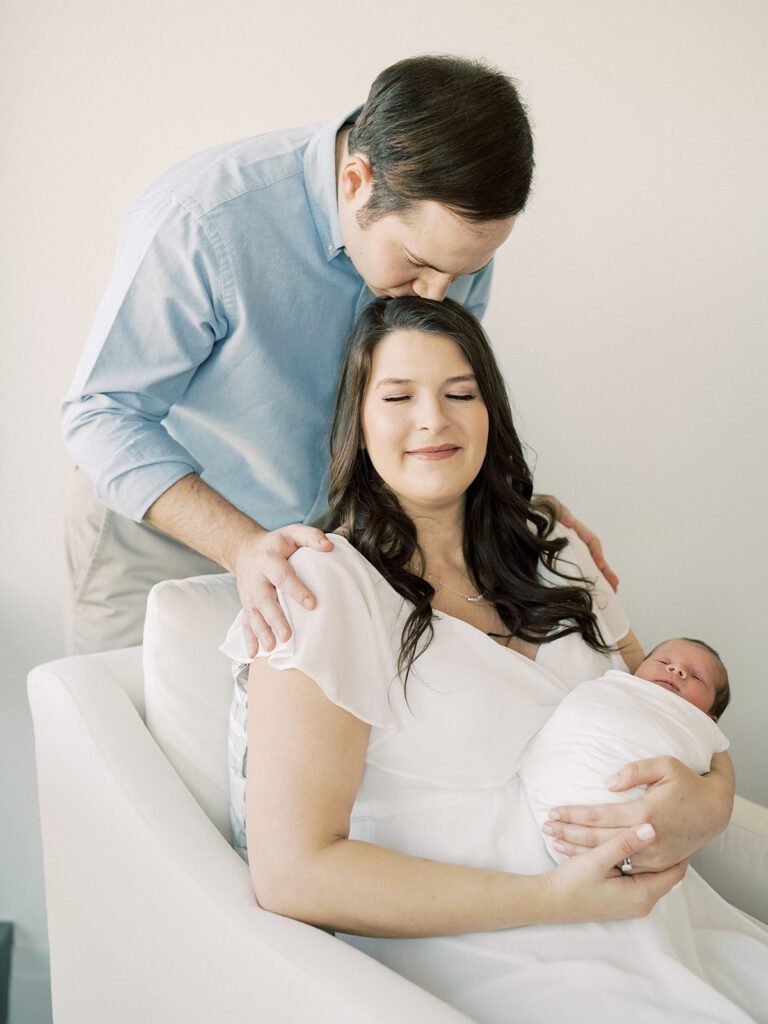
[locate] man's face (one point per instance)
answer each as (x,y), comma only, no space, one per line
(419,251)
(687,669)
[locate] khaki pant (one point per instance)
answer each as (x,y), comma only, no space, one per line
(113,564)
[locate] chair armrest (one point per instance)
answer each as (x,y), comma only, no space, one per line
(736,863)
(151,914)
(122,668)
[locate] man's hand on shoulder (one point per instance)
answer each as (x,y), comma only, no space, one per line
(200,517)
(261,565)
(567,518)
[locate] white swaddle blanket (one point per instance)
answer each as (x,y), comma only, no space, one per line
(598,728)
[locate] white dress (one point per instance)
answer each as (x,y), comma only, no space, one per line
(441,781)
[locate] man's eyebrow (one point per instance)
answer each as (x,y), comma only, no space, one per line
(407,380)
(431,266)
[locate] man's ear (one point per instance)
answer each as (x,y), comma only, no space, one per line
(356,180)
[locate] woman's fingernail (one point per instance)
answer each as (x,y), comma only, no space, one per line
(612,780)
(554,815)
(558,846)
(548,830)
(308,603)
(645,832)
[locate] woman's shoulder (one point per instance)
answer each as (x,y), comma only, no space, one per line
(343,569)
(575,554)
(575,559)
(349,590)
(356,612)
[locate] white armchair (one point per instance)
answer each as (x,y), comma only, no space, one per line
(151,913)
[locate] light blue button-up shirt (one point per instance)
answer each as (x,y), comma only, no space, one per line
(216,348)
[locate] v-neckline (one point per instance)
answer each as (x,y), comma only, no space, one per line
(447,615)
(489,638)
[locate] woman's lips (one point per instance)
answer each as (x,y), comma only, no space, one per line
(443,451)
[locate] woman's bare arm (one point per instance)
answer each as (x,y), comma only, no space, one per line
(631,651)
(305,763)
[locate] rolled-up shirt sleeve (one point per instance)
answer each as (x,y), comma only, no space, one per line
(161,316)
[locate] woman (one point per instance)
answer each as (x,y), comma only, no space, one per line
(385,737)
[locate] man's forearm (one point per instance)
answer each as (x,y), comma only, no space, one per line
(198,516)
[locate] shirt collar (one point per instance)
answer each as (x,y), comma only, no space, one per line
(320,182)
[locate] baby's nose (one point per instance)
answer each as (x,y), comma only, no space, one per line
(677,669)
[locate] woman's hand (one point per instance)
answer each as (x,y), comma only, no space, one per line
(687,810)
(592,888)
(261,565)
(568,519)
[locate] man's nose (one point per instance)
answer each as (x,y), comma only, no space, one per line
(433,287)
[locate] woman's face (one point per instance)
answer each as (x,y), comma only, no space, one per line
(425,426)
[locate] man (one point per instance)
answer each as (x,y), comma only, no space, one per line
(201,404)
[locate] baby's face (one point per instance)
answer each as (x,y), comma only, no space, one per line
(685,668)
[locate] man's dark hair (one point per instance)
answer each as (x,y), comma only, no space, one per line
(446,129)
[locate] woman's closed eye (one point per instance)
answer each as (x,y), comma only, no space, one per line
(453,396)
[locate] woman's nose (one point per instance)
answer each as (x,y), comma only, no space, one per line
(432,416)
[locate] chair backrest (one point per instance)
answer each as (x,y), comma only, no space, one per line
(188,683)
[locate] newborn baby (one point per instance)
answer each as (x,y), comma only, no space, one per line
(670,706)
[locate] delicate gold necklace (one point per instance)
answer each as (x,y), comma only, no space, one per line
(472,598)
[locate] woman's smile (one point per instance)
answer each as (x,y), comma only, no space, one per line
(443,451)
(422,407)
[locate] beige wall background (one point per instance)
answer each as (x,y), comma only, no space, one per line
(629,308)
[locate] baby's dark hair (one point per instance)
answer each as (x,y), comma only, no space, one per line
(723,695)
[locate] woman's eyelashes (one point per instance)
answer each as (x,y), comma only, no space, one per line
(453,397)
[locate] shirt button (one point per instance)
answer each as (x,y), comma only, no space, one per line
(331,247)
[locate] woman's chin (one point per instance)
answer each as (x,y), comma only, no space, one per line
(431,503)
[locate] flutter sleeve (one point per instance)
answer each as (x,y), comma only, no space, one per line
(346,644)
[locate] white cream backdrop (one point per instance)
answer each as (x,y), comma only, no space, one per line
(629,308)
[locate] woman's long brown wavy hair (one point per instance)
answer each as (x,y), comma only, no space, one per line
(505,536)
